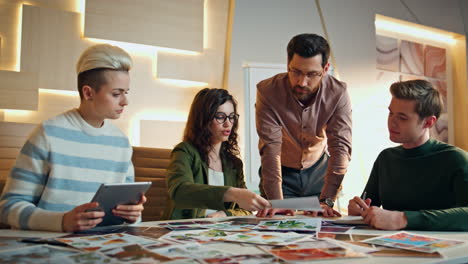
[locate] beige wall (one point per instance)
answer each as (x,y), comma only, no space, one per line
(177,46)
(52,34)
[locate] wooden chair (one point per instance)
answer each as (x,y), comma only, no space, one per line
(12,138)
(150,165)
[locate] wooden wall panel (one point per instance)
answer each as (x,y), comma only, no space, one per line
(19,90)
(52,46)
(176,24)
(156,133)
(209,65)
(9,12)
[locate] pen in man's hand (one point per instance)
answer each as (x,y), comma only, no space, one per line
(363,197)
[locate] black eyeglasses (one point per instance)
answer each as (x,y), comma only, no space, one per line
(221,117)
(310,75)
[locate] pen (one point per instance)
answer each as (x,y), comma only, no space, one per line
(363,197)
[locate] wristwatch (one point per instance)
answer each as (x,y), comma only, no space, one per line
(327,201)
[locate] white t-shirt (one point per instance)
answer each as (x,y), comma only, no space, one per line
(215,178)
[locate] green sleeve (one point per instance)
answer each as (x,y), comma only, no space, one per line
(372,186)
(452,219)
(182,187)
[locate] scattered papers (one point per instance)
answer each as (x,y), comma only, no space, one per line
(135,254)
(35,254)
(186,225)
(231,226)
(87,257)
(353,241)
(200,236)
(103,242)
(268,238)
(335,229)
(252,240)
(314,250)
(413,242)
(348,220)
(7,243)
(189,251)
(243,259)
(310,203)
(152,232)
(306,224)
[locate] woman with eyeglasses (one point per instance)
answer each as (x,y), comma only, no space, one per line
(205,177)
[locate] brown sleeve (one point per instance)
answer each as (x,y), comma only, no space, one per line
(270,139)
(339,134)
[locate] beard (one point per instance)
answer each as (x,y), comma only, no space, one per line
(302,93)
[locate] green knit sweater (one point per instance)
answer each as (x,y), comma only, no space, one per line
(428,183)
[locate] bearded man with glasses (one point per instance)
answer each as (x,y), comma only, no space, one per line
(304,125)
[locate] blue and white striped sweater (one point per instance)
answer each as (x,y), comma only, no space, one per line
(60,167)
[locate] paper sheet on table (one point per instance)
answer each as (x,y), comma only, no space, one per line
(310,203)
(349,220)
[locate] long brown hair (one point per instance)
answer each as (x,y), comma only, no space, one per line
(202,113)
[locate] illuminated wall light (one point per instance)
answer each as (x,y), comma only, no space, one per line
(80,7)
(17,112)
(205,24)
(141,48)
(384,24)
(154,63)
(183,83)
(157,115)
(59,92)
(17,65)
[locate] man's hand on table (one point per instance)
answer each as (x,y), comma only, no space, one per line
(379,218)
(327,212)
(357,206)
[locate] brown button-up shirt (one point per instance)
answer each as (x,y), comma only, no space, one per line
(296,135)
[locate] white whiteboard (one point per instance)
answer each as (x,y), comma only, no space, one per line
(253,74)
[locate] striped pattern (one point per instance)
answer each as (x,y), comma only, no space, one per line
(60,167)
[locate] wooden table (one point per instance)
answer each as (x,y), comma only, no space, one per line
(455,255)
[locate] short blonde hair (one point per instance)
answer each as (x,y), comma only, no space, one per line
(104,56)
(96,60)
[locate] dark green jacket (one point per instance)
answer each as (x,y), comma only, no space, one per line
(187,181)
(428,183)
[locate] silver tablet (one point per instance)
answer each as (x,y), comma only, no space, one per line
(110,195)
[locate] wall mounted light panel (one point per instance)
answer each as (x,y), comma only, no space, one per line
(176,24)
(207,67)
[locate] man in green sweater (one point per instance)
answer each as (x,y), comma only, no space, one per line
(423,183)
